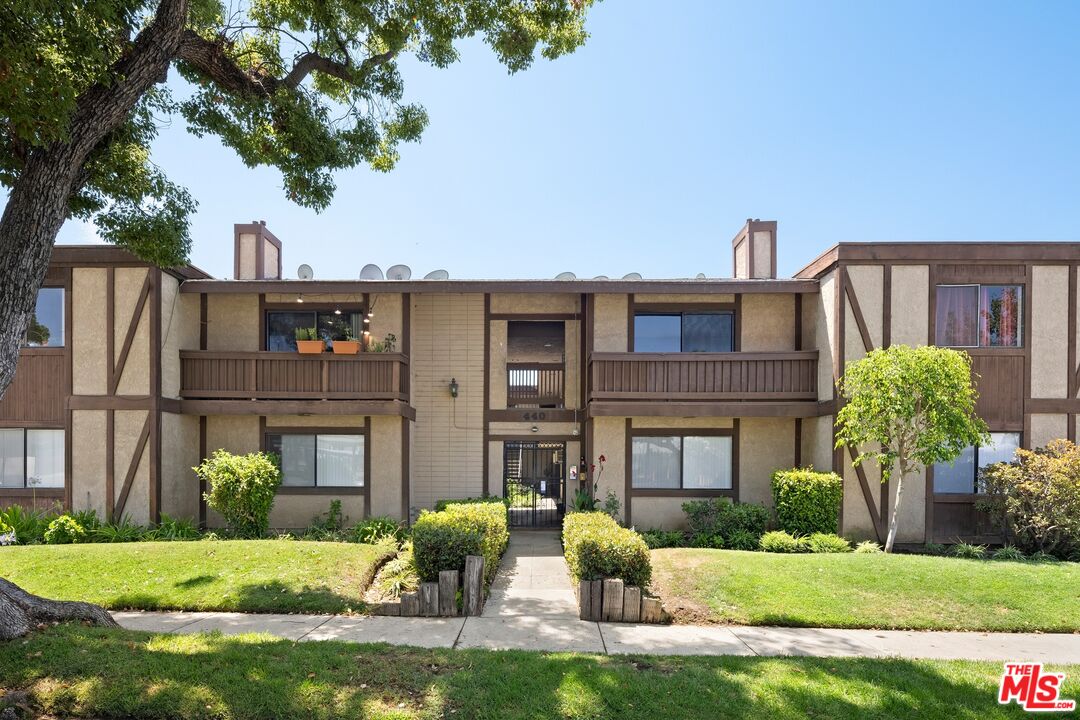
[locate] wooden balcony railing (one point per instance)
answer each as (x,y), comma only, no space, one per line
(535,384)
(291,376)
(704,376)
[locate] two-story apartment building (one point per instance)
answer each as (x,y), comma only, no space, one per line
(689,388)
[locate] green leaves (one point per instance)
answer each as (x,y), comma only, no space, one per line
(909,406)
(242,489)
(307,88)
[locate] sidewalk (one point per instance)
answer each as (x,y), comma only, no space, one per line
(532,607)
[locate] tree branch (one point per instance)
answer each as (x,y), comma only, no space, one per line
(210,58)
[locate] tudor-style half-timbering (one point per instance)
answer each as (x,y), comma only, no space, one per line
(688,388)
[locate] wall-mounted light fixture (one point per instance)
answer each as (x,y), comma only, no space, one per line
(337,311)
(453,387)
(300,298)
(534,428)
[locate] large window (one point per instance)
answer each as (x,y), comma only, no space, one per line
(962,476)
(281,326)
(682,462)
(684,332)
(47,323)
(979,315)
(319,460)
(31,458)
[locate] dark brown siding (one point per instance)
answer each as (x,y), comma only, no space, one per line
(36,395)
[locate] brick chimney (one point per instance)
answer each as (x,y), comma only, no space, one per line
(256,252)
(753,250)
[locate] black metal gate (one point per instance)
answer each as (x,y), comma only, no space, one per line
(533,481)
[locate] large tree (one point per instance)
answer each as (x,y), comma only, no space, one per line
(308,87)
(908,408)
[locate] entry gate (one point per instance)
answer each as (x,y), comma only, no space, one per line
(533,480)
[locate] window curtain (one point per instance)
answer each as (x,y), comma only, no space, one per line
(957,315)
(999,311)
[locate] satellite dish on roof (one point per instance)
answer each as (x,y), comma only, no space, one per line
(437,275)
(700,276)
(304,272)
(398,272)
(371,272)
(566,276)
(601,277)
(632,276)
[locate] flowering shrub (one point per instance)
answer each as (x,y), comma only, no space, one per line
(64,530)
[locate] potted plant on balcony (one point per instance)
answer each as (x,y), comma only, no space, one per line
(308,341)
(346,344)
(386,345)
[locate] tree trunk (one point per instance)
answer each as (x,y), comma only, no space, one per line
(20,611)
(895,514)
(38,203)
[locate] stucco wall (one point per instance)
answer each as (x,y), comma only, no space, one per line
(129,424)
(765,445)
(232,322)
(817,442)
(533,303)
(88,460)
(497,391)
(87,331)
(448,342)
(742,257)
(246,252)
(1045,428)
(768,322)
(609,323)
(387,317)
(179,331)
(179,453)
(609,440)
(762,254)
(135,378)
(824,331)
(857,522)
(1049,331)
(385,450)
(868,283)
(910,305)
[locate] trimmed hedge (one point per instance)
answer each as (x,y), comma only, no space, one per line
(441,505)
(442,539)
(719,522)
(597,547)
(807,502)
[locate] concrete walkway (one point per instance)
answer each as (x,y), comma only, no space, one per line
(532,607)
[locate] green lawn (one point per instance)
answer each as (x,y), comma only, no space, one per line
(236,575)
(867,591)
(88,672)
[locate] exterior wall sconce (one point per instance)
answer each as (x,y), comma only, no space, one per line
(453,387)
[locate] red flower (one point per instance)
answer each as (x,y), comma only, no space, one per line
(603,459)
(592,468)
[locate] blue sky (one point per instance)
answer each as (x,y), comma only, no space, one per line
(648,148)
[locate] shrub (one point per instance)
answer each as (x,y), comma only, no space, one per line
(742,540)
(968,551)
(597,547)
(64,530)
(173,529)
(442,540)
(122,530)
(720,516)
(441,505)
(827,543)
(663,538)
(778,541)
(242,489)
(807,502)
(374,529)
(398,575)
(88,519)
(28,525)
(705,540)
(867,547)
(1036,498)
(1009,552)
(935,549)
(1041,557)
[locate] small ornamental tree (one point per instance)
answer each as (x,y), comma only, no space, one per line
(242,489)
(908,408)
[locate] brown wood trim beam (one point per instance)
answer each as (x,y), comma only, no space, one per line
(486,394)
(868,496)
(1074,371)
(518,415)
(533,437)
(133,467)
(798,442)
(297,407)
(110,329)
(886,307)
(681,492)
(204,315)
(706,356)
(856,311)
(1038,406)
(706,409)
(532,316)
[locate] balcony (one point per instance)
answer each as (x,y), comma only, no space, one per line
(539,385)
(284,376)
(742,378)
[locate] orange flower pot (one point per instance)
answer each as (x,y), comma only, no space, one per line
(346,347)
(310,347)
